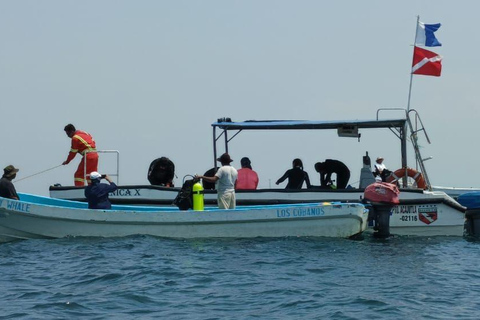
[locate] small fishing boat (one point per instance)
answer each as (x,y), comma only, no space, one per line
(42,217)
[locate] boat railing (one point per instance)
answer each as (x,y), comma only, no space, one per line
(115,174)
(419,127)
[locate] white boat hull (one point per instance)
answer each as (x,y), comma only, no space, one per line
(420,213)
(155,195)
(428,219)
(25,220)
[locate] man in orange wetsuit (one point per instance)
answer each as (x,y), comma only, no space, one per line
(83,143)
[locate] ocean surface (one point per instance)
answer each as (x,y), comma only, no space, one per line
(288,278)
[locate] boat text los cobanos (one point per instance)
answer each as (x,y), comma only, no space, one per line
(42,217)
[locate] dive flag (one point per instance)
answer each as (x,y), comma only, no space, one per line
(425,35)
(426,62)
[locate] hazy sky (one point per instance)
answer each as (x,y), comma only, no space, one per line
(147,78)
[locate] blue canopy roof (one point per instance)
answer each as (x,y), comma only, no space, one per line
(306,124)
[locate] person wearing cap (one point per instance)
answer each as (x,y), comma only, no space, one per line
(84,144)
(225,179)
(296,176)
(381,169)
(97,193)
(247,178)
(7,189)
(330,166)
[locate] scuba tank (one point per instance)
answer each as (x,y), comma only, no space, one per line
(198,196)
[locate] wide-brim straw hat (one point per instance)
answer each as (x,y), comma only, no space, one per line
(225,158)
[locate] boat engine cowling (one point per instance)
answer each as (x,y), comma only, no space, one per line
(161,172)
(382,197)
(471,200)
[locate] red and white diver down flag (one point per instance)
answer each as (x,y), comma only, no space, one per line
(426,62)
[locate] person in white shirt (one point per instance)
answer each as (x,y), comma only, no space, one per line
(380,169)
(224,179)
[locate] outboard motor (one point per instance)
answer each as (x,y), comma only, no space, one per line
(471,200)
(382,198)
(161,172)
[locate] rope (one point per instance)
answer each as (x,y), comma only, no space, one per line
(38,173)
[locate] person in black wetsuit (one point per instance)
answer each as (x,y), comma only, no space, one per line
(296,176)
(333,166)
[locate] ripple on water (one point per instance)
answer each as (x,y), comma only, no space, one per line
(289,278)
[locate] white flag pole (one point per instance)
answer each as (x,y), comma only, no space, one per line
(411,73)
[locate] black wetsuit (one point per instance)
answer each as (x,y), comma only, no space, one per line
(295,176)
(337,167)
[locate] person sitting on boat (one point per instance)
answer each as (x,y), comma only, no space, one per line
(296,176)
(7,189)
(381,169)
(225,179)
(247,178)
(97,193)
(83,143)
(330,166)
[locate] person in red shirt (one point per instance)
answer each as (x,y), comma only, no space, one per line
(247,178)
(84,144)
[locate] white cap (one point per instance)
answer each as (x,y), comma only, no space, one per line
(95,175)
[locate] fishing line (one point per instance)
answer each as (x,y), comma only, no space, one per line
(16,181)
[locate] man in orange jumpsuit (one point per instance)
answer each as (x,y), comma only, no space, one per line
(83,143)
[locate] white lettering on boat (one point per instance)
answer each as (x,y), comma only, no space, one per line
(300,212)
(126,193)
(416,213)
(404,209)
(18,206)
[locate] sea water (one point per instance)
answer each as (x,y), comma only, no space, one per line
(287,278)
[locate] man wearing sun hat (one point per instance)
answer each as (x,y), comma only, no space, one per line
(224,179)
(7,189)
(381,169)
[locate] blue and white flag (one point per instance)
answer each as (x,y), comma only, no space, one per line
(425,35)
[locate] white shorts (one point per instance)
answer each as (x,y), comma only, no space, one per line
(226,200)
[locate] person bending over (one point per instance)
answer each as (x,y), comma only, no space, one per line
(333,166)
(84,144)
